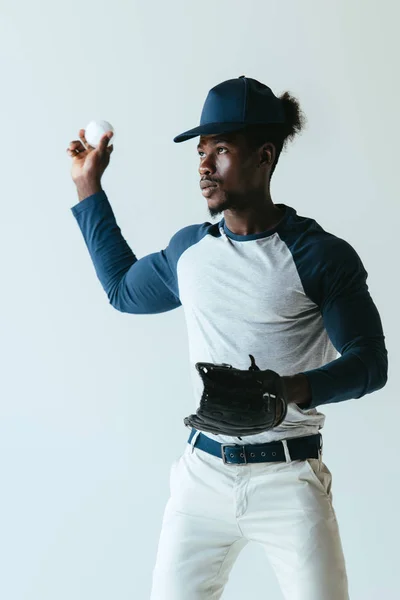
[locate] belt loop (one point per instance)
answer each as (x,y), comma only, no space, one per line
(194,438)
(286,450)
(320,451)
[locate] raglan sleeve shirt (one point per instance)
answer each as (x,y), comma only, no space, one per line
(336,284)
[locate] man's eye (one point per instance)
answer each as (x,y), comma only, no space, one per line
(220,150)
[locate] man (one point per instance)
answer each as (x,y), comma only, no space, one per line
(263,282)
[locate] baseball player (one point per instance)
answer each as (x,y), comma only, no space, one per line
(280,322)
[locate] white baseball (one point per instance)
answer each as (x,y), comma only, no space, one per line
(95,130)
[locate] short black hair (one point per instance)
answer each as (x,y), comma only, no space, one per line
(278,134)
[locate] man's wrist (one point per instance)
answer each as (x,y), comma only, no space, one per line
(87,188)
(298,390)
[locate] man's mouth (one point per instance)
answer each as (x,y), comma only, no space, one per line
(205,183)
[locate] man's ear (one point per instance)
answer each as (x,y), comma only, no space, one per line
(267,154)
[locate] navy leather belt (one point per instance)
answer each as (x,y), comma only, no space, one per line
(299,448)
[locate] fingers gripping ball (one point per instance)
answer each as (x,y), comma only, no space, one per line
(239,402)
(95,130)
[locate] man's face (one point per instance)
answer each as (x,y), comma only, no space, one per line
(228,172)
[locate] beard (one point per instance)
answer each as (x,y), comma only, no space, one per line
(229,202)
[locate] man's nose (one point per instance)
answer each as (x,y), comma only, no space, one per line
(207,166)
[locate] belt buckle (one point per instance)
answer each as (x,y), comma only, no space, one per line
(223,446)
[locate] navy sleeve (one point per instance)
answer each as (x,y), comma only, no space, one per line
(354,327)
(140,286)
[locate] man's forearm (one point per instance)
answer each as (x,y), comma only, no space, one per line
(111,255)
(298,390)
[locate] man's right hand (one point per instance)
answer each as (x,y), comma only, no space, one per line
(89,164)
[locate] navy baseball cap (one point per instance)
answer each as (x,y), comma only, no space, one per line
(234,104)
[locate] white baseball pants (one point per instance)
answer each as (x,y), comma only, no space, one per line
(215,509)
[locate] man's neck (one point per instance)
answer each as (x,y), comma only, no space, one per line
(254,219)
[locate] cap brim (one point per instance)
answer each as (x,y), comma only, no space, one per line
(209,129)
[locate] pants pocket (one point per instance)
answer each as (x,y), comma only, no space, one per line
(175,466)
(320,475)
